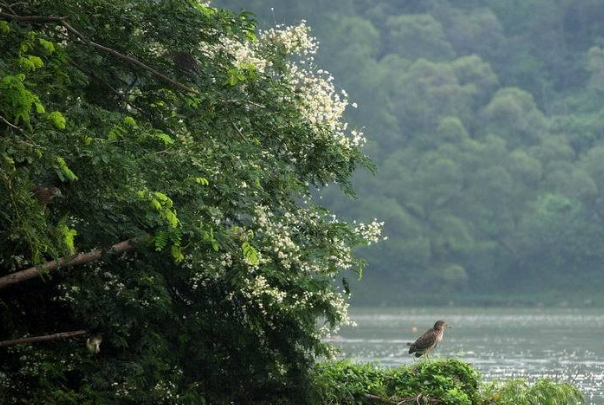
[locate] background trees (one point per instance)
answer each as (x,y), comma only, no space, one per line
(480,115)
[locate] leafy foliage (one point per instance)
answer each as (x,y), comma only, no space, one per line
(519,392)
(206,163)
(447,381)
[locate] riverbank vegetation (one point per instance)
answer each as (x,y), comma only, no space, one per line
(449,381)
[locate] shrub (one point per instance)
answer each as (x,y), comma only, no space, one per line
(519,392)
(448,381)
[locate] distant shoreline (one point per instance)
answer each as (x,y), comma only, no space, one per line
(432,299)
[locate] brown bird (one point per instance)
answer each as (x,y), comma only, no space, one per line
(45,194)
(428,341)
(186,64)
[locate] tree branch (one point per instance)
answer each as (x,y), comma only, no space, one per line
(44,338)
(130,59)
(9,6)
(127,58)
(81,258)
(123,97)
(7,122)
(239,131)
(33,18)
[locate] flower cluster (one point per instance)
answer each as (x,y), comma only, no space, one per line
(244,54)
(371,232)
(257,290)
(312,90)
(278,235)
(167,391)
(293,40)
(214,268)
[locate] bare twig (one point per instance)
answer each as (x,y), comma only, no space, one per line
(7,122)
(81,258)
(44,338)
(9,6)
(31,142)
(239,131)
(32,18)
(235,101)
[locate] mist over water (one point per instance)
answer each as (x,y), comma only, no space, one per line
(561,344)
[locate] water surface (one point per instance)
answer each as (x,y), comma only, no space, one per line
(561,344)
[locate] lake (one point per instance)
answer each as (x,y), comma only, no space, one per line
(561,344)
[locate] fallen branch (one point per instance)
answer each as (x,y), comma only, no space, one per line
(44,338)
(81,258)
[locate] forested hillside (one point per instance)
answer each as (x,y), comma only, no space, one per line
(486,124)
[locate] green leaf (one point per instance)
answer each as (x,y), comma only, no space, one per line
(57,119)
(68,236)
(47,45)
(65,170)
(250,254)
(161,240)
(177,253)
(4,27)
(165,138)
(30,63)
(130,122)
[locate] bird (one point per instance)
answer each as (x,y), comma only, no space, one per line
(44,195)
(186,64)
(428,341)
(93,343)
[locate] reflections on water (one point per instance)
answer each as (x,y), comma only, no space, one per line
(561,344)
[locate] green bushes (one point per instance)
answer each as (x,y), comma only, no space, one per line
(449,382)
(518,392)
